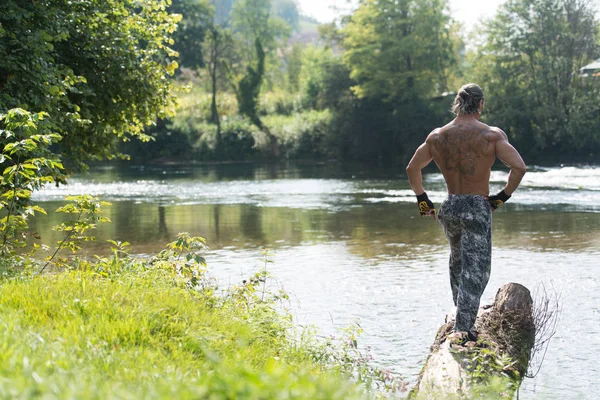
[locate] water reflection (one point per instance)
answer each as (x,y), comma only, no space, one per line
(372,230)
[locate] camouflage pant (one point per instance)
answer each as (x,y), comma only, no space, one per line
(467,223)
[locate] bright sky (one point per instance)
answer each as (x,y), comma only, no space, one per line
(465,11)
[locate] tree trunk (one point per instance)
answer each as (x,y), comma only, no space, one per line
(213,106)
(502,351)
(212,66)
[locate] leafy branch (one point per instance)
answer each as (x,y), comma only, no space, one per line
(88,210)
(27,165)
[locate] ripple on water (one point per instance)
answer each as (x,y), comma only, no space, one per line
(566,188)
(293,193)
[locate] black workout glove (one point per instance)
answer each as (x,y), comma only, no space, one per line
(426,207)
(498,199)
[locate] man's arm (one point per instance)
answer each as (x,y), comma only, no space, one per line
(512,159)
(420,160)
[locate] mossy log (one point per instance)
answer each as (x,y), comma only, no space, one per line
(496,362)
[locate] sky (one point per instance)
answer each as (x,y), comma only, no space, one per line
(465,11)
(462,10)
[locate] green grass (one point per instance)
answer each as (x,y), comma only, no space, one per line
(142,332)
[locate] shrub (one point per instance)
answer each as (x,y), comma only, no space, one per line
(280,103)
(304,135)
(27,164)
(239,141)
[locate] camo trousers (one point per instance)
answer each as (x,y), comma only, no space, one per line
(467,223)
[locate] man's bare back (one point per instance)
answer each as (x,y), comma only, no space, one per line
(465,151)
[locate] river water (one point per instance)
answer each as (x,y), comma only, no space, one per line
(349,247)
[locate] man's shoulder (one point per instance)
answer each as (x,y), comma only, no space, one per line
(434,134)
(496,133)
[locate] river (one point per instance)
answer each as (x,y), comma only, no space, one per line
(349,246)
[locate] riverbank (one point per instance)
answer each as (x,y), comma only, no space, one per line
(125,328)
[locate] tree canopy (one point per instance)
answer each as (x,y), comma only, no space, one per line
(99,68)
(399,50)
(377,81)
(197,17)
(529,66)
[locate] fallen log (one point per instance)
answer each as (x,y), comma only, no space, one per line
(496,362)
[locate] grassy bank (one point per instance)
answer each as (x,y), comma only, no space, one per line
(125,328)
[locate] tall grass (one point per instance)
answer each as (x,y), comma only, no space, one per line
(125,328)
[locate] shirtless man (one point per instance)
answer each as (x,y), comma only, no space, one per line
(465,150)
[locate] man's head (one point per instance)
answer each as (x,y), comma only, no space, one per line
(469,100)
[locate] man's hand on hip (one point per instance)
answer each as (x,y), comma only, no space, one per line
(497,200)
(426,206)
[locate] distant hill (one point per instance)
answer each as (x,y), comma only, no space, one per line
(307,32)
(307,24)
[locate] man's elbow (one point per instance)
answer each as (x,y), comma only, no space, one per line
(410,172)
(520,169)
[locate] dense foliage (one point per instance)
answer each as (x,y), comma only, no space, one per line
(399,50)
(29,164)
(529,66)
(191,30)
(99,68)
(384,74)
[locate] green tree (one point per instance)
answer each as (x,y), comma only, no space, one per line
(254,19)
(399,54)
(248,90)
(218,45)
(197,16)
(288,11)
(258,31)
(325,80)
(399,50)
(530,69)
(99,68)
(294,66)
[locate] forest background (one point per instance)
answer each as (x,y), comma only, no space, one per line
(239,80)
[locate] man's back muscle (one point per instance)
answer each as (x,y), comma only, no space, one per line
(465,153)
